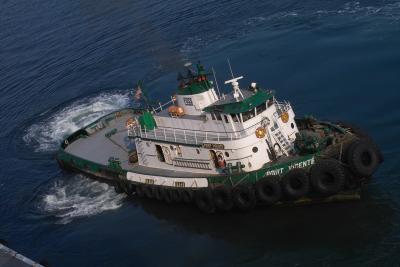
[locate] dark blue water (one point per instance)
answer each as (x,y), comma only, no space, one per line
(65,63)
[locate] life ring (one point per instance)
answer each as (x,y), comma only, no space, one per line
(187,195)
(140,190)
(244,197)
(285,117)
(295,184)
(204,200)
(223,198)
(66,142)
(327,177)
(268,190)
(362,158)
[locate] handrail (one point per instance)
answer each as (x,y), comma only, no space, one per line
(190,136)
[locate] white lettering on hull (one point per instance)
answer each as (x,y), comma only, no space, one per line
(302,164)
(297,165)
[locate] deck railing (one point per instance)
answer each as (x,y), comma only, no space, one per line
(190,136)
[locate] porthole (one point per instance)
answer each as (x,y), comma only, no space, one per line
(227,154)
(292,125)
(255,149)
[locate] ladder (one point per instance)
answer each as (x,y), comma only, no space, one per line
(140,151)
(281,139)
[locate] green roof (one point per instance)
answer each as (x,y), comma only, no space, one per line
(195,88)
(241,106)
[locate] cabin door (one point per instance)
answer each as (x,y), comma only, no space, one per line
(214,158)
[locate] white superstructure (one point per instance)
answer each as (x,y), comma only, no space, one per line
(201,132)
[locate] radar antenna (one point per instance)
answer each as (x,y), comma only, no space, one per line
(236,89)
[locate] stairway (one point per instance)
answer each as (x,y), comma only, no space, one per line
(281,139)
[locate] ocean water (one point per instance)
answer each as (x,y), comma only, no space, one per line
(65,63)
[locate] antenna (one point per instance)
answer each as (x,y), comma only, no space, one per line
(236,88)
(216,82)
(230,67)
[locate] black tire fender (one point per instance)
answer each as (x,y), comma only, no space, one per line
(296,183)
(158,193)
(175,195)
(268,190)
(362,158)
(204,200)
(363,135)
(118,188)
(149,191)
(328,177)
(140,190)
(166,196)
(223,198)
(187,195)
(244,197)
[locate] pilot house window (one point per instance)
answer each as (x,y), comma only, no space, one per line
(261,108)
(188,101)
(226,118)
(216,116)
(248,115)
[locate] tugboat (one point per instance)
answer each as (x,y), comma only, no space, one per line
(223,151)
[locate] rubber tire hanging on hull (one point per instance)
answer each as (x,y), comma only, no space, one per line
(204,200)
(175,195)
(158,193)
(140,190)
(327,177)
(295,184)
(363,136)
(244,197)
(166,196)
(118,188)
(362,158)
(187,195)
(268,190)
(223,198)
(149,191)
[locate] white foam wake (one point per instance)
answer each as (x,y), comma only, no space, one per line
(47,134)
(78,197)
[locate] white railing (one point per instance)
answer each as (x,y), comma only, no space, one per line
(189,136)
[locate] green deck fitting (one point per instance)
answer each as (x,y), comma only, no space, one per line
(147,121)
(242,106)
(195,88)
